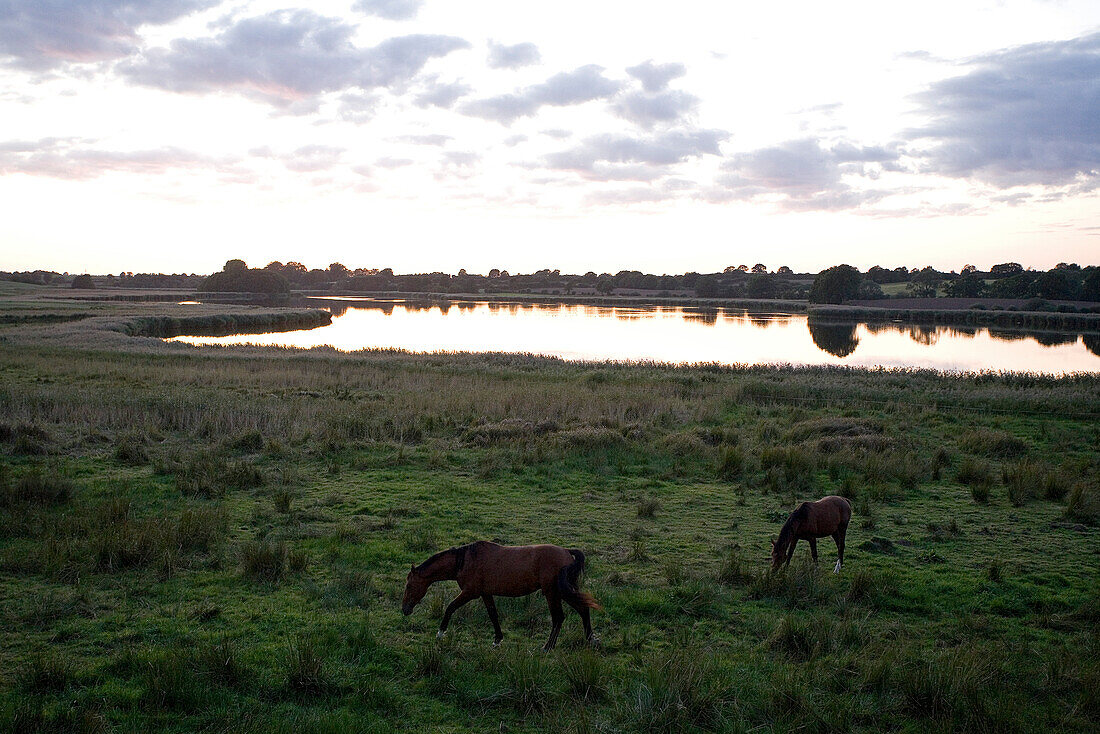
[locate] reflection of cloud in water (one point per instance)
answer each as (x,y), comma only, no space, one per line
(839,340)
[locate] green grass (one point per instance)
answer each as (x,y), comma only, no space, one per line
(213,540)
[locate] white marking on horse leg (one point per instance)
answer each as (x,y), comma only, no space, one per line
(497,643)
(440,634)
(836,568)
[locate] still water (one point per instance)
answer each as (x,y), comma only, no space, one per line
(679,335)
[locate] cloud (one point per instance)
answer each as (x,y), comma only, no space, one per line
(655,77)
(312,158)
(436,94)
(389,9)
(44,34)
(425,139)
(606,157)
(358,107)
(634,195)
(391,163)
(76,160)
(584,84)
(513,57)
(649,109)
(1024,116)
(286,58)
(803,175)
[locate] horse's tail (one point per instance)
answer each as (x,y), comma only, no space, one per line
(567,582)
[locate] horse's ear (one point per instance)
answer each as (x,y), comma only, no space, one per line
(412,568)
(773,542)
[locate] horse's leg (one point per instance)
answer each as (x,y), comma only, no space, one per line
(585,618)
(790,550)
(838,536)
(813,549)
(462,598)
(557,616)
(491,608)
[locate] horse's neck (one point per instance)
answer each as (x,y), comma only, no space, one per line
(443,569)
(787,533)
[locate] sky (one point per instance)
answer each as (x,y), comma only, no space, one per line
(424,135)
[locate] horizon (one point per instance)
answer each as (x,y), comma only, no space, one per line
(424,137)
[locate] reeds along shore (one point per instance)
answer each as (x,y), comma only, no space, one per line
(202,539)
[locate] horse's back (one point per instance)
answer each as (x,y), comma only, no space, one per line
(518,569)
(838,505)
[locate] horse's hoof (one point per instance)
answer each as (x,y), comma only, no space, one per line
(497,643)
(440,634)
(594,642)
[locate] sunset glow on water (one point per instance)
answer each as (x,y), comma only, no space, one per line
(678,335)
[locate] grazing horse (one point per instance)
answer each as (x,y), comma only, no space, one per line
(485,570)
(813,520)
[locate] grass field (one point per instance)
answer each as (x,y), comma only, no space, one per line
(217,540)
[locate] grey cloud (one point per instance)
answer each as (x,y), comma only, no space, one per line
(392,163)
(425,139)
(312,158)
(655,77)
(1027,115)
(620,156)
(286,58)
(389,9)
(442,95)
(635,195)
(44,34)
(358,107)
(804,175)
(513,57)
(72,159)
(648,110)
(584,84)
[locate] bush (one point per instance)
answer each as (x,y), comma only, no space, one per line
(264,561)
(993,444)
(1083,502)
(305,673)
(647,508)
(44,488)
(731,463)
(132,448)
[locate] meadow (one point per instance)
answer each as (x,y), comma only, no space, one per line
(216,539)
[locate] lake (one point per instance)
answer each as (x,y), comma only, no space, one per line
(678,335)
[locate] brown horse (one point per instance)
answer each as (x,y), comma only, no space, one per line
(485,570)
(813,520)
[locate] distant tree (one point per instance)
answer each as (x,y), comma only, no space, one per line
(234,279)
(338,270)
(83,281)
(494,273)
(275,266)
(605,283)
(729,269)
(759,268)
(835,285)
(869,290)
(924,283)
(967,285)
(743,268)
(1067,266)
(761,286)
(1015,286)
(1055,285)
(1090,286)
(1003,270)
(969,269)
(784,270)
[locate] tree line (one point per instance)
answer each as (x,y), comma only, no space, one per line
(1065,281)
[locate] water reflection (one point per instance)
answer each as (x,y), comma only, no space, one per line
(680,335)
(839,340)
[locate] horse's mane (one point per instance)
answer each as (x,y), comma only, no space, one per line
(458,550)
(788,527)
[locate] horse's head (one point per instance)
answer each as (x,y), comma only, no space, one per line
(415,588)
(777,556)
